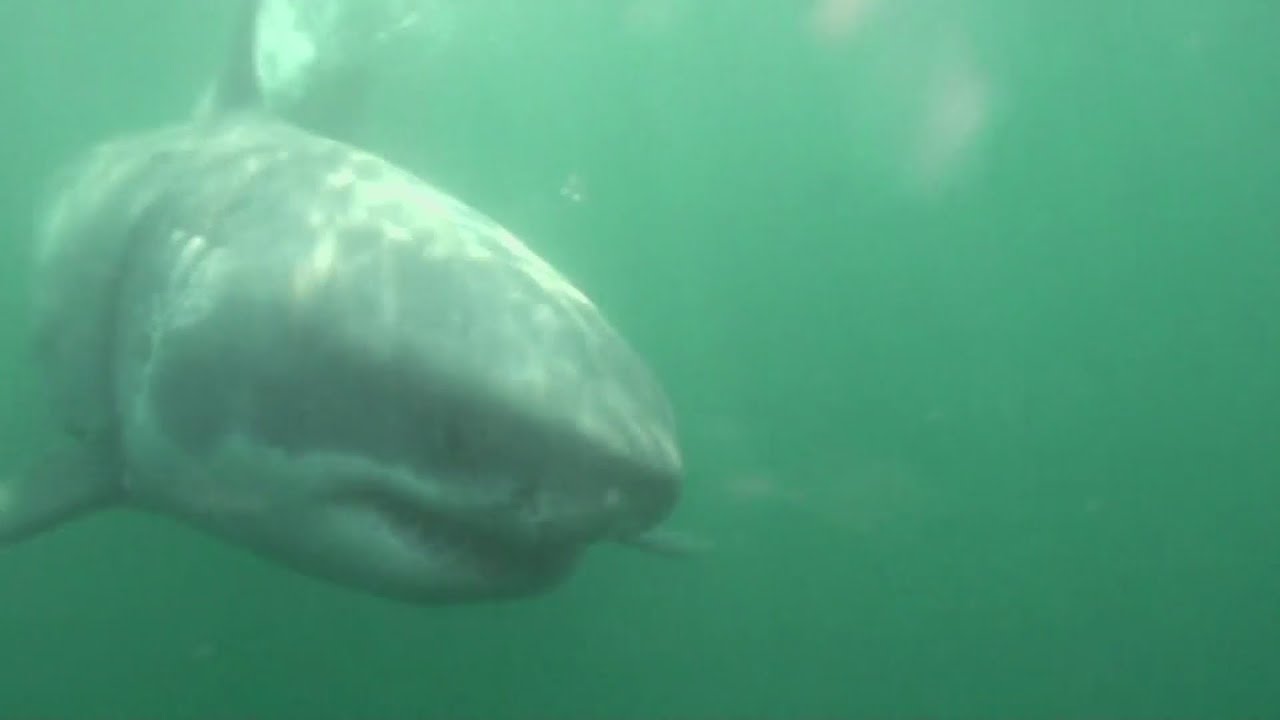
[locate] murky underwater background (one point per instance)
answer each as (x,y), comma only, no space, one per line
(968,308)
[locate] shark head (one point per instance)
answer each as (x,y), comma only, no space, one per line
(311,352)
(347,368)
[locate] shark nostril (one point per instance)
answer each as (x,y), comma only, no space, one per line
(462,448)
(452,439)
(528,500)
(613,498)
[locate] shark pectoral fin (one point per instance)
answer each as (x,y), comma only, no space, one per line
(60,486)
(668,542)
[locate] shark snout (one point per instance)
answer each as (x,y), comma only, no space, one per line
(575,514)
(614,510)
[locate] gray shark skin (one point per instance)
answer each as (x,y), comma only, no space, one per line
(308,351)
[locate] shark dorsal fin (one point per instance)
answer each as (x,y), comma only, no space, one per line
(238,86)
(306,61)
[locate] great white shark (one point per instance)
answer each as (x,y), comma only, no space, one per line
(302,348)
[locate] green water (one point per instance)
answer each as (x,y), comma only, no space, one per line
(968,310)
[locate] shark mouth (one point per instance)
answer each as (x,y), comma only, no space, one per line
(466,544)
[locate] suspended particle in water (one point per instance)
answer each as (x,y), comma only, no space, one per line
(574,188)
(203,651)
(833,20)
(958,100)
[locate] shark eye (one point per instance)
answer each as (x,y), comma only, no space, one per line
(454,441)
